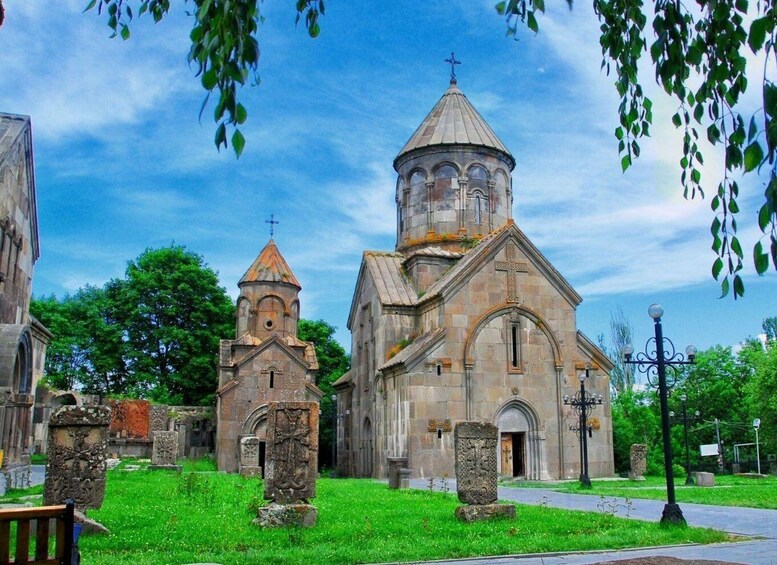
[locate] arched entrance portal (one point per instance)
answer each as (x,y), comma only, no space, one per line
(520,441)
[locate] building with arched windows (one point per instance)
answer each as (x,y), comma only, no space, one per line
(265,363)
(464,320)
(23,339)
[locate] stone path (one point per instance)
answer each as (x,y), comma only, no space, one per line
(745,521)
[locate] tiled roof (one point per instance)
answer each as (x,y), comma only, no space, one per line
(434,251)
(270,266)
(346,378)
(418,346)
(453,120)
(392,285)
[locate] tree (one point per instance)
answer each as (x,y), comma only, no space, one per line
(333,362)
(174,313)
(88,348)
(705,45)
(621,334)
(635,419)
(769,326)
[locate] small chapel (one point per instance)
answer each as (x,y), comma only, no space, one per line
(465,320)
(265,363)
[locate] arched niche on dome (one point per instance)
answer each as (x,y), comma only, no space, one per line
(445,198)
(269,313)
(243,312)
(501,196)
(478,201)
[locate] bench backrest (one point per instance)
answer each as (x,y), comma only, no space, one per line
(63,547)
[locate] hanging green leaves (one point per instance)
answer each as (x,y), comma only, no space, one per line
(708,42)
(224,49)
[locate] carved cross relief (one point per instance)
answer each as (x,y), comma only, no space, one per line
(512,267)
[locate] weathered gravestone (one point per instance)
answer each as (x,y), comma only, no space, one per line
(164,452)
(476,473)
(77,453)
(638,461)
(290,465)
(249,457)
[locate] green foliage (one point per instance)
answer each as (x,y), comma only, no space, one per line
(333,362)
(621,334)
(635,419)
(698,53)
(88,349)
(224,48)
(729,490)
(763,391)
(152,334)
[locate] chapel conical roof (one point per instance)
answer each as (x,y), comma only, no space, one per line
(270,267)
(453,121)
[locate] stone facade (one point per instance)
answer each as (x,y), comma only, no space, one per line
(22,338)
(465,321)
(266,363)
(476,444)
(76,465)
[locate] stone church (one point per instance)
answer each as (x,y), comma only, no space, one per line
(23,339)
(265,363)
(464,320)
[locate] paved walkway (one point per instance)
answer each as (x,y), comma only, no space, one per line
(745,521)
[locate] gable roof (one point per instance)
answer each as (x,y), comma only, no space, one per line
(391,284)
(270,267)
(481,252)
(454,121)
(278,342)
(415,350)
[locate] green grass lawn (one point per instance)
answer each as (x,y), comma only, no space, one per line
(729,490)
(157,517)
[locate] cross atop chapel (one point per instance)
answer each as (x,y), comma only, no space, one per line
(272,221)
(453,62)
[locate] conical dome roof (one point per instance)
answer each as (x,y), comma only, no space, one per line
(453,121)
(270,267)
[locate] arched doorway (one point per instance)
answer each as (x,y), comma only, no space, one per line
(520,446)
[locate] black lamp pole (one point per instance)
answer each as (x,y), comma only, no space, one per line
(583,402)
(663,357)
(686,419)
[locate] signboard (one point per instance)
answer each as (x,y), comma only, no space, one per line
(709,449)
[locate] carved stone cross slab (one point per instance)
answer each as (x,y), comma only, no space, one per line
(512,267)
(292,452)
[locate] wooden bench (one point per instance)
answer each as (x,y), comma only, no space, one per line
(42,515)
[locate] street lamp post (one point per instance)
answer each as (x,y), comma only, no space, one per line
(583,402)
(756,425)
(686,418)
(664,355)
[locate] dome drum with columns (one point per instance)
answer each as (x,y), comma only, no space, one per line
(464,320)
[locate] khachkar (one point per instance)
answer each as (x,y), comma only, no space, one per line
(290,465)
(164,451)
(638,461)
(475,444)
(77,451)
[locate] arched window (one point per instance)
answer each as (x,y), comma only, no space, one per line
(272,379)
(478,213)
(477,178)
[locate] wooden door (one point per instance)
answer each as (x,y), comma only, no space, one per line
(507,454)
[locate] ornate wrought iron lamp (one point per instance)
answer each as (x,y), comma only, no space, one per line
(660,353)
(583,402)
(686,418)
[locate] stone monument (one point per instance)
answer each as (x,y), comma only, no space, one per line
(249,457)
(476,447)
(290,465)
(76,466)
(637,461)
(165,451)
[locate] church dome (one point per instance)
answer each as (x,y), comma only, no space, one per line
(454,121)
(454,184)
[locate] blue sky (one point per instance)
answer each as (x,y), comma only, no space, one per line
(122,162)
